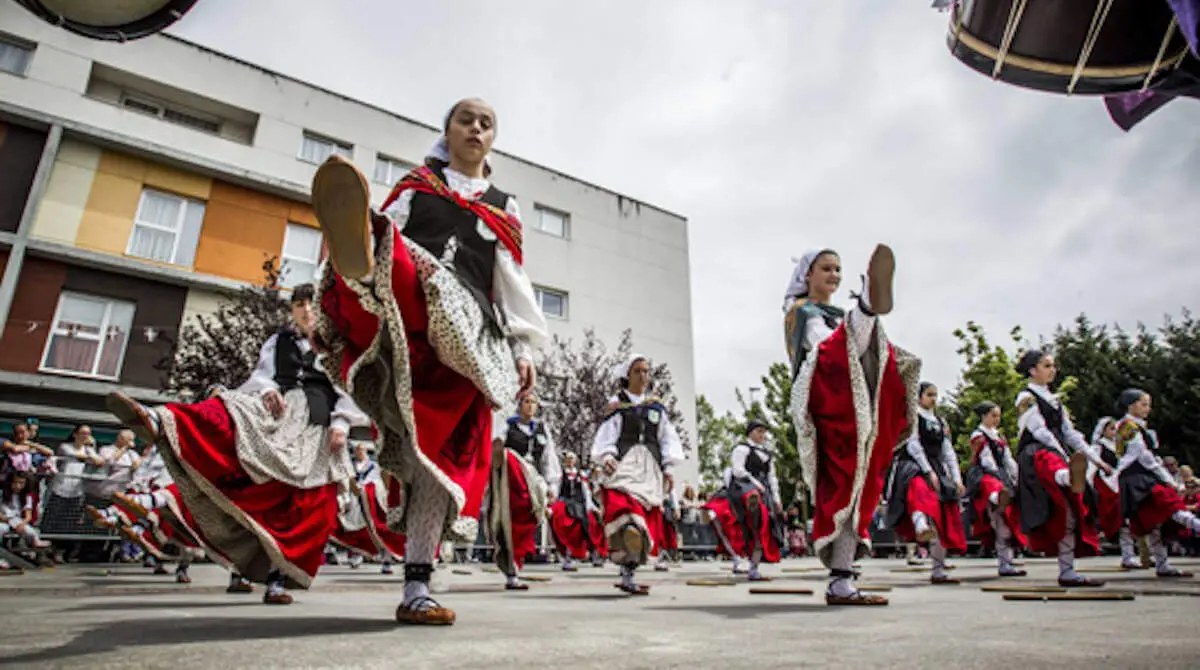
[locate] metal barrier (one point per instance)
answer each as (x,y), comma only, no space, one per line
(62,495)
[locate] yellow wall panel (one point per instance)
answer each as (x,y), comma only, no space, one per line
(67,192)
(177,181)
(122,165)
(250,200)
(108,219)
(235,240)
(302,213)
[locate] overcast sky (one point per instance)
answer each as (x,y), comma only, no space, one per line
(777,126)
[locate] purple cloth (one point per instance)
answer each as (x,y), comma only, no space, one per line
(1188,12)
(1129,109)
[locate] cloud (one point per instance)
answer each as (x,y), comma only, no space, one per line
(777,126)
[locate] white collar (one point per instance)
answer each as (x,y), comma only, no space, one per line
(927,413)
(1141,423)
(989,431)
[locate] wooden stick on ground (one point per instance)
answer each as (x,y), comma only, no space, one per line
(711,582)
(1023,589)
(1092,595)
(874,589)
(760,590)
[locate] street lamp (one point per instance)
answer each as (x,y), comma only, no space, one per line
(110,20)
(754,391)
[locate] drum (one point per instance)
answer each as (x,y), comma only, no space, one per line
(1088,47)
(110,20)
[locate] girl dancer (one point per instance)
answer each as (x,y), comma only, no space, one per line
(853,400)
(430,321)
(1050,483)
(926,486)
(1149,496)
(574,520)
(639,449)
(259,466)
(749,512)
(525,474)
(1103,493)
(991,485)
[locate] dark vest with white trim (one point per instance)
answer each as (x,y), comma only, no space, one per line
(296,368)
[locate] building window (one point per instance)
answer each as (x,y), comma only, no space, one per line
(552,222)
(176,115)
(301,255)
(14,55)
(554,303)
(89,336)
(315,149)
(389,170)
(166,228)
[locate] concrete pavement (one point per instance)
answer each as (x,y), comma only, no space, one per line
(79,617)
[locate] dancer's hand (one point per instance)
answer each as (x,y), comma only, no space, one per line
(528,375)
(610,465)
(962,490)
(934,481)
(1106,468)
(337,440)
(668,482)
(778,507)
(274,402)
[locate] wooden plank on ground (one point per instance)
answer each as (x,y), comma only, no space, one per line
(774,590)
(1071,595)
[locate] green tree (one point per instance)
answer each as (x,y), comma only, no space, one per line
(715,435)
(988,374)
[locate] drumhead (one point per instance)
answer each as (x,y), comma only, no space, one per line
(110,20)
(1137,44)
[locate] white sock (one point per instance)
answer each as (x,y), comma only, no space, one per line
(1066,550)
(626,576)
(415,591)
(920,522)
(937,552)
(513,580)
(1158,551)
(994,498)
(1129,555)
(1187,520)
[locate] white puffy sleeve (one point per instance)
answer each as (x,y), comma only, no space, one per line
(774,482)
(670,444)
(914,449)
(816,331)
(513,291)
(1030,418)
(737,463)
(263,377)
(605,443)
(551,467)
(950,457)
(346,414)
(1074,439)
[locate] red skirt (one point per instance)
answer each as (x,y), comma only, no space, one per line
(453,418)
(831,405)
(735,532)
(296,522)
(982,529)
(618,504)
(1108,504)
(1045,538)
(945,516)
(726,521)
(376,538)
(569,535)
(520,512)
(1156,510)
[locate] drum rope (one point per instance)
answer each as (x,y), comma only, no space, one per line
(1162,52)
(1015,11)
(1098,21)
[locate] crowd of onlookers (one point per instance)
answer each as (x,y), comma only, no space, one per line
(45,490)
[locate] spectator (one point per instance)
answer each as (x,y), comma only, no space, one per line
(16,510)
(1172,466)
(19,451)
(120,461)
(64,509)
(690,506)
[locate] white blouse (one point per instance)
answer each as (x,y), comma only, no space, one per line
(550,468)
(1033,421)
(985,454)
(917,451)
(605,444)
(737,466)
(346,413)
(511,288)
(1137,451)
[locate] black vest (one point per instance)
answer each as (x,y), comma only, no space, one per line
(931,435)
(995,447)
(1053,416)
(532,446)
(637,427)
(1109,456)
(758,464)
(295,368)
(436,223)
(572,487)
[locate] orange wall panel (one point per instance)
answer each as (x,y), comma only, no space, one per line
(302,213)
(235,241)
(107,219)
(255,201)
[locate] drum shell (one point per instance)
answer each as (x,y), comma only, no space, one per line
(152,23)
(1051,37)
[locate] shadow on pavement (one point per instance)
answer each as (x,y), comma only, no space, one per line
(160,632)
(752,610)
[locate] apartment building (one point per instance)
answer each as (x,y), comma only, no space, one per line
(141,182)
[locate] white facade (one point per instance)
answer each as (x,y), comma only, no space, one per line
(621,264)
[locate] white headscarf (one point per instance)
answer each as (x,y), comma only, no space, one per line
(621,372)
(798,286)
(1100,426)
